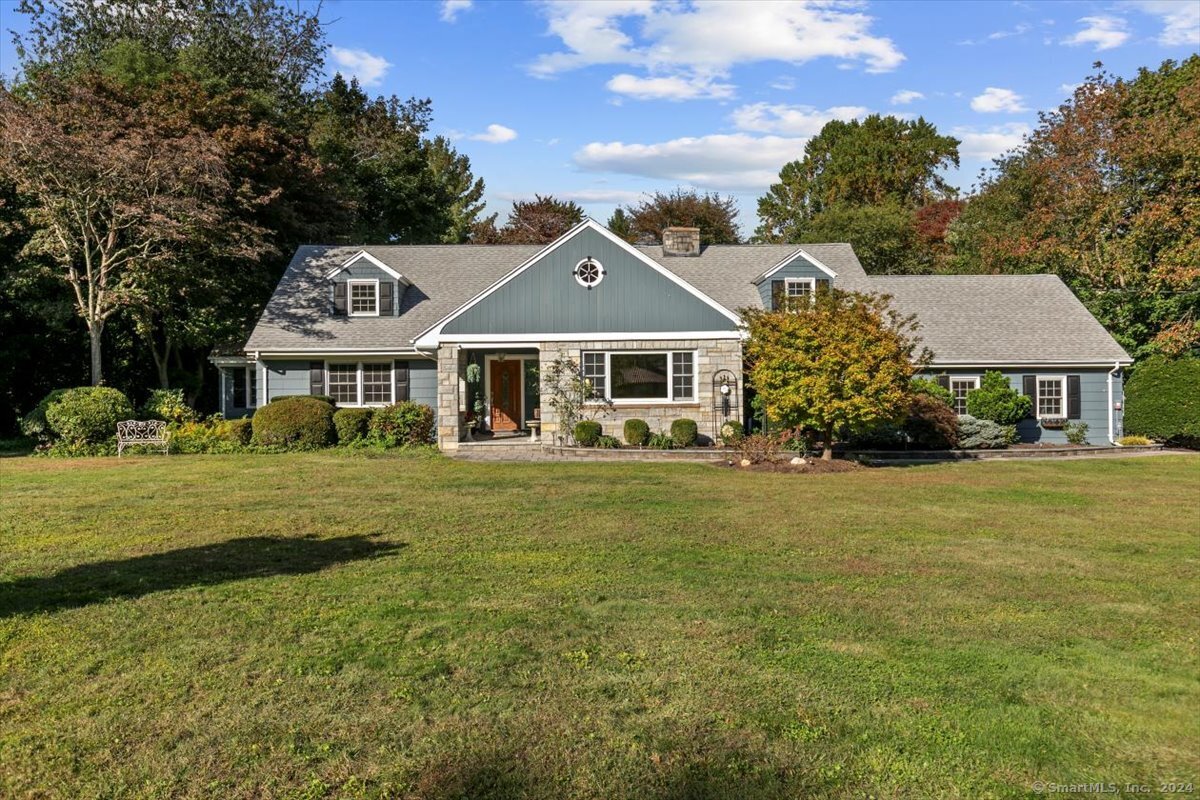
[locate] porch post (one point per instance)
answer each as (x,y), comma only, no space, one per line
(448,427)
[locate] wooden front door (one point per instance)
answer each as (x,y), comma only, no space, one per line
(506,395)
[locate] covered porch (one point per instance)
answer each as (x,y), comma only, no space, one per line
(489,394)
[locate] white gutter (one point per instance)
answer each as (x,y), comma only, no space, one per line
(1111,410)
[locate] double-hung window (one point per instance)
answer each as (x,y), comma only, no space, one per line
(244,382)
(1051,396)
(641,376)
(800,288)
(364,298)
(959,387)
(360,384)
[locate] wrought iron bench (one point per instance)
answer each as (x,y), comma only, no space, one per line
(143,432)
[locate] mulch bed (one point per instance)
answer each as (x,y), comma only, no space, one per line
(811,466)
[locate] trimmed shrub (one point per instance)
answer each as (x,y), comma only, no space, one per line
(352,424)
(684,432)
(34,423)
(88,414)
(732,433)
(324,398)
(608,442)
(637,432)
(1162,401)
(401,424)
(300,423)
(932,388)
(660,441)
(983,434)
(240,431)
(167,405)
(1134,441)
(1076,432)
(587,432)
(995,400)
(931,423)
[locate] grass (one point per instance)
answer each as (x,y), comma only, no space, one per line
(339,625)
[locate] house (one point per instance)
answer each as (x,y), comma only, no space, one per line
(655,328)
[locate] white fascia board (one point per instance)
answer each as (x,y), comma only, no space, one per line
(318,352)
(363,255)
(431,336)
(799,252)
(498,340)
(1022,364)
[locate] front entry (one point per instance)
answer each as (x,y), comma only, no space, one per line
(506,395)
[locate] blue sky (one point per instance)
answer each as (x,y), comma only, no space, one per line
(603,102)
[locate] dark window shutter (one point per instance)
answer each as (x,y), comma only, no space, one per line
(316,377)
(401,371)
(777,295)
(822,285)
(1072,397)
(943,381)
(339,297)
(1029,389)
(386,292)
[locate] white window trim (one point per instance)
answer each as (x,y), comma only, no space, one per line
(1062,381)
(974,379)
(649,401)
(789,282)
(350,284)
(248,381)
(359,384)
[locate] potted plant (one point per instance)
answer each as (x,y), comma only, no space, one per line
(474,376)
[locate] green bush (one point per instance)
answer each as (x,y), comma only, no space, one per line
(732,433)
(240,431)
(683,432)
(932,389)
(931,424)
(637,432)
(983,434)
(300,423)
(34,423)
(324,398)
(660,441)
(996,401)
(1162,401)
(167,405)
(213,435)
(88,414)
(608,442)
(1076,432)
(352,424)
(587,432)
(401,424)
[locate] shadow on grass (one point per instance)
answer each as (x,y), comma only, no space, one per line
(233,560)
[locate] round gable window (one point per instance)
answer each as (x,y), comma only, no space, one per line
(589,272)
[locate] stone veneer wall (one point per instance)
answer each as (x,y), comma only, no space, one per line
(712,355)
(451,369)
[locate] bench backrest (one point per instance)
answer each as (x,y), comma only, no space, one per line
(136,430)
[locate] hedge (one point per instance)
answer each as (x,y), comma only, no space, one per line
(294,423)
(352,424)
(405,423)
(88,414)
(1162,401)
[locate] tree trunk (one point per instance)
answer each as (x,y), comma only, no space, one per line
(95,330)
(827,453)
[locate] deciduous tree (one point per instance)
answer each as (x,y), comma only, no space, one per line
(538,221)
(715,216)
(842,361)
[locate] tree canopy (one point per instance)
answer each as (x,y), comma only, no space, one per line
(715,216)
(538,221)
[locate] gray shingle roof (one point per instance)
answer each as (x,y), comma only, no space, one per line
(1017,319)
(1013,319)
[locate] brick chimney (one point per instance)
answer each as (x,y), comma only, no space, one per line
(681,242)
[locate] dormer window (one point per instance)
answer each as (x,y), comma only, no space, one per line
(801,287)
(364,298)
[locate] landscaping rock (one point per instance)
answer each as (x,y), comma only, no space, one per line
(745,462)
(797,461)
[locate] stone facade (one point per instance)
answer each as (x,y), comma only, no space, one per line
(712,356)
(452,363)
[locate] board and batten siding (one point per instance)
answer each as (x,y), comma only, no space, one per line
(798,267)
(632,297)
(1093,400)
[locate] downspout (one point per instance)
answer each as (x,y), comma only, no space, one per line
(1111,410)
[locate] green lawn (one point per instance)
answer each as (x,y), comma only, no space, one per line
(334,625)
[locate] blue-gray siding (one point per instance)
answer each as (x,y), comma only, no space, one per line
(422,382)
(799,267)
(632,297)
(285,378)
(291,377)
(1093,400)
(365,270)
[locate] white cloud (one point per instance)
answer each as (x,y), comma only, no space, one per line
(1023,27)
(726,162)
(988,143)
(994,100)
(700,43)
(368,68)
(1069,88)
(495,134)
(452,8)
(906,96)
(784,83)
(790,120)
(669,88)
(1104,32)
(1180,18)
(619,196)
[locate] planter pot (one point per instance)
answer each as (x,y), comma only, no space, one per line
(1053,423)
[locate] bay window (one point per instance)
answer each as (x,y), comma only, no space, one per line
(641,376)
